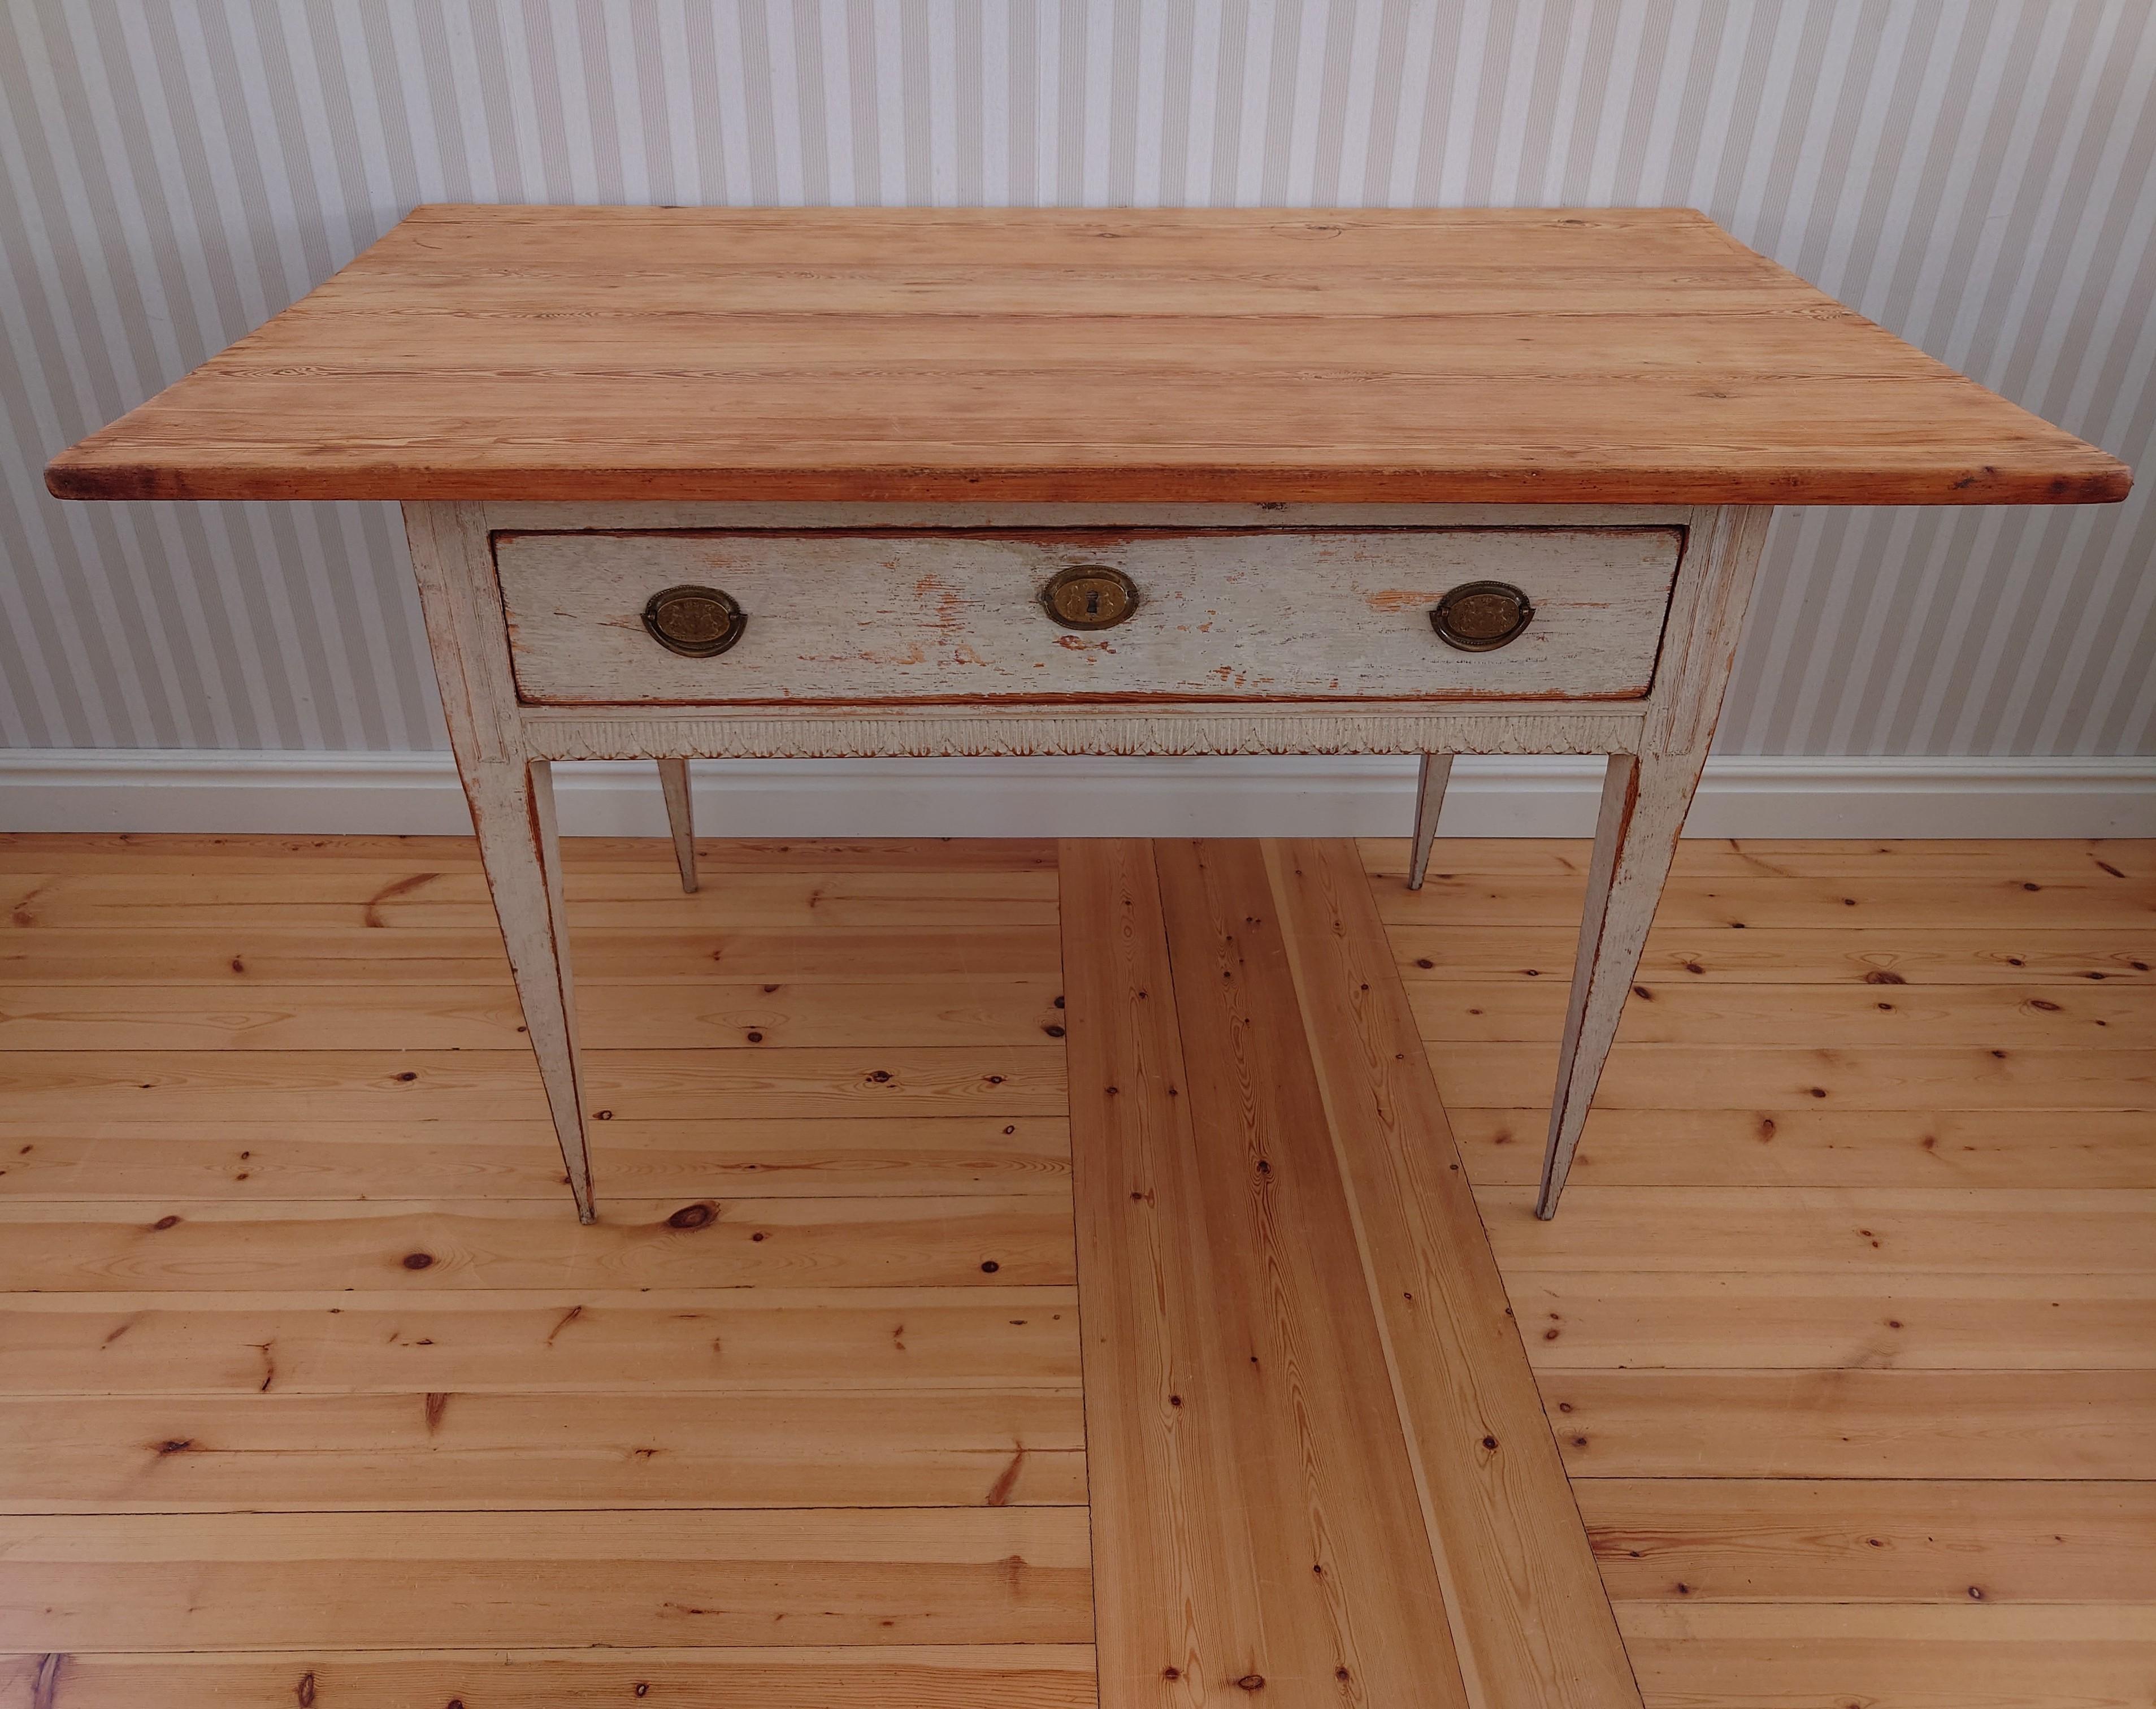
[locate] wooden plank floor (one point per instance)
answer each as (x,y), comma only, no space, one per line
(311,1390)
(1321,1469)
(1847,1330)
(1847,1326)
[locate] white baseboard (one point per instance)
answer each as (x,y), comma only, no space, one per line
(417,794)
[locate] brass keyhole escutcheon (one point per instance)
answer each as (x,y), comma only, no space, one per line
(1088,597)
(698,622)
(1480,617)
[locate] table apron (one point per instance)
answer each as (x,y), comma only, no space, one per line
(939,732)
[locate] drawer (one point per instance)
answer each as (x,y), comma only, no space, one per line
(956,616)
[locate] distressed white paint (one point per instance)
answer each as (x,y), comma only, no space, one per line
(1434,773)
(512,793)
(680,818)
(1645,798)
(541,518)
(1280,613)
(943,733)
(487,595)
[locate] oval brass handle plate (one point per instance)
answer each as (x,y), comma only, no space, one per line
(1480,617)
(1088,597)
(700,622)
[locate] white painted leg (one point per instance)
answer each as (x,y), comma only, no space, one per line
(1435,774)
(680,818)
(1644,803)
(513,807)
(511,796)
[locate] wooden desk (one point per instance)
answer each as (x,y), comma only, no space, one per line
(882,432)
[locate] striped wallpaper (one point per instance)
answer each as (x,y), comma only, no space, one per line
(1975,176)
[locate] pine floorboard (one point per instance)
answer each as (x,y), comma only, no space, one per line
(1321,1469)
(1847,1326)
(1845,1335)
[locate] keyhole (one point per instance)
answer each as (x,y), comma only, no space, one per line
(1088,597)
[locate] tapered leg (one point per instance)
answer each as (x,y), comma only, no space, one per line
(680,819)
(1435,774)
(1644,803)
(511,796)
(513,809)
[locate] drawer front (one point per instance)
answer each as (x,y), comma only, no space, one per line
(852,616)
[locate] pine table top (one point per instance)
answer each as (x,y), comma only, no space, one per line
(1635,355)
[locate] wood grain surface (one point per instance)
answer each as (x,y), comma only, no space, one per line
(250,1459)
(1522,355)
(806,1676)
(1319,1462)
(1848,1329)
(827,1575)
(276,1408)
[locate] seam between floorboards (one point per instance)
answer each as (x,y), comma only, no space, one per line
(1463,1648)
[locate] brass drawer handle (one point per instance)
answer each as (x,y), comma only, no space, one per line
(1088,597)
(700,622)
(1480,617)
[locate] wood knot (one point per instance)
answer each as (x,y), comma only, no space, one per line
(418,1260)
(166,1222)
(989,1266)
(699,1215)
(1252,1682)
(305,1690)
